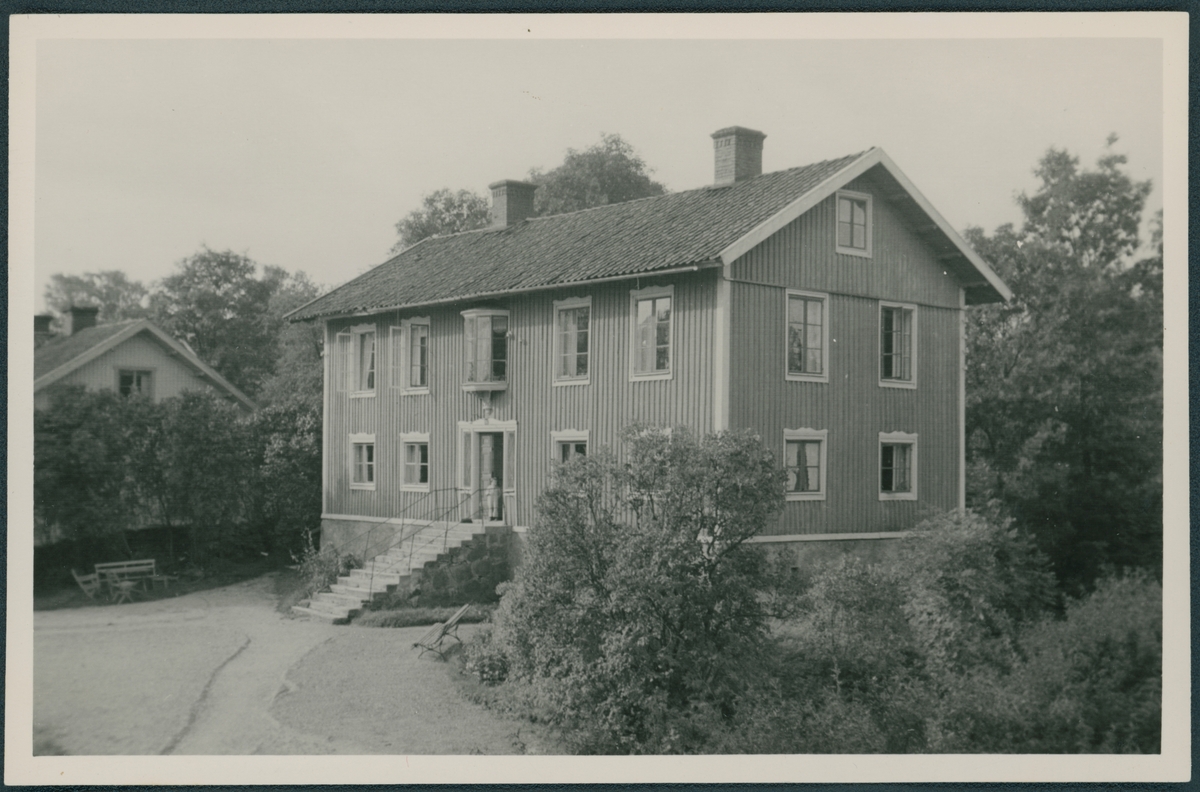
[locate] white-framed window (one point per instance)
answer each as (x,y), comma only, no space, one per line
(485,349)
(804,452)
(410,356)
(357,345)
(135,382)
(897,466)
(362,461)
(897,345)
(807,336)
(572,341)
(415,447)
(853,223)
(653,330)
(568,444)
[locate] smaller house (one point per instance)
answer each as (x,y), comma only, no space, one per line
(130,357)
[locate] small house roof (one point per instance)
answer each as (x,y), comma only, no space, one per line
(709,226)
(58,357)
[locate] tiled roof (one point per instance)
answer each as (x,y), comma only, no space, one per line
(63,350)
(629,238)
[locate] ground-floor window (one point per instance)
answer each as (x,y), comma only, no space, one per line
(569,444)
(362,462)
(416,461)
(897,466)
(804,461)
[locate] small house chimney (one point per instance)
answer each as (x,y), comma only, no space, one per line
(41,329)
(83,317)
(512,202)
(738,155)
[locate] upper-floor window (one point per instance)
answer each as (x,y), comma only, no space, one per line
(653,332)
(807,334)
(853,223)
(410,355)
(572,341)
(897,466)
(804,461)
(135,381)
(485,349)
(365,357)
(354,360)
(897,345)
(362,461)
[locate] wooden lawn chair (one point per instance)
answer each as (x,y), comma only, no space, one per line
(432,640)
(89,583)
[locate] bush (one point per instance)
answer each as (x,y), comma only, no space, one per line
(636,618)
(319,568)
(415,617)
(485,659)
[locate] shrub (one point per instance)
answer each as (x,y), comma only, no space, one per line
(636,618)
(485,659)
(319,568)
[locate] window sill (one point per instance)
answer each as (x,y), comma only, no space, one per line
(902,384)
(804,496)
(661,375)
(415,392)
(414,488)
(897,496)
(807,377)
(485,386)
(844,251)
(363,487)
(568,382)
(363,394)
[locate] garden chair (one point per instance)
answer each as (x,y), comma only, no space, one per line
(89,583)
(432,640)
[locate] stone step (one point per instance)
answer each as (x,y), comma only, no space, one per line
(343,600)
(372,578)
(377,586)
(333,609)
(332,619)
(358,592)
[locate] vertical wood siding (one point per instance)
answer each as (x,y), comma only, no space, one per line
(604,407)
(170,378)
(851,405)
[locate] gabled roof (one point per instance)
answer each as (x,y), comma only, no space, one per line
(710,226)
(57,358)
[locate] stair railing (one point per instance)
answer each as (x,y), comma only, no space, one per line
(405,532)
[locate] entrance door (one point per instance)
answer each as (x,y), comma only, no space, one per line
(491,475)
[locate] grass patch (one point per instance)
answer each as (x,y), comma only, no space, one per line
(416,617)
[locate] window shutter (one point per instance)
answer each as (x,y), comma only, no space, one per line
(469,348)
(396,345)
(342,362)
(510,456)
(464,461)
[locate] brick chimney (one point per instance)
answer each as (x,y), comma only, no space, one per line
(512,202)
(41,329)
(738,155)
(83,317)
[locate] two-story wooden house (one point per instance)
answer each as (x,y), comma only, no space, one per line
(821,306)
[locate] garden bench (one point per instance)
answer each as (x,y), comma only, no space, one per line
(122,577)
(432,640)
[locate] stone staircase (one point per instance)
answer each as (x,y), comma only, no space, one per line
(388,572)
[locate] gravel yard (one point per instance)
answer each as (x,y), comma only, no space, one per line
(221,672)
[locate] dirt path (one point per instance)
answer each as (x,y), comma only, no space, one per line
(220,672)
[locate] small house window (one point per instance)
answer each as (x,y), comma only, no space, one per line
(416,464)
(569,444)
(652,332)
(362,462)
(853,223)
(486,349)
(410,355)
(804,461)
(806,336)
(365,349)
(138,382)
(897,352)
(897,466)
(572,341)
(354,365)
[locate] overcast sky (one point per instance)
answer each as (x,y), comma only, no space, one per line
(304,153)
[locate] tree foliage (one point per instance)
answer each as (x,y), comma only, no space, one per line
(298,374)
(1064,383)
(608,172)
(443,212)
(117,297)
(637,612)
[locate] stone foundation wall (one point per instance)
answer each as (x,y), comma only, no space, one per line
(469,573)
(362,539)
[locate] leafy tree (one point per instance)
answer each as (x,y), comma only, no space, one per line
(285,455)
(118,297)
(443,212)
(222,309)
(1064,383)
(609,172)
(637,615)
(298,370)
